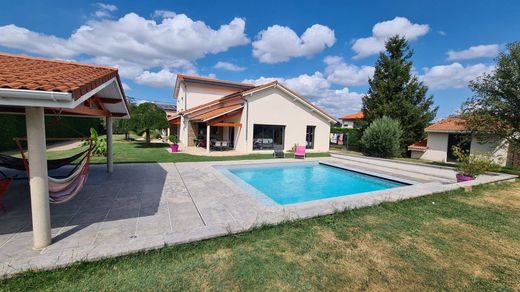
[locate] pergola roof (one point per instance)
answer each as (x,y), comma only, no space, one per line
(71,87)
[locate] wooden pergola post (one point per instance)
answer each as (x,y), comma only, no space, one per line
(38,177)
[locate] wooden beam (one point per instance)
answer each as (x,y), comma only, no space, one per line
(87,111)
(226,116)
(110,100)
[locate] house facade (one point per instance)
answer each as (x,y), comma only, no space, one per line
(245,117)
(449,132)
(351,121)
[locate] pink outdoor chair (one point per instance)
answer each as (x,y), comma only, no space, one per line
(299,152)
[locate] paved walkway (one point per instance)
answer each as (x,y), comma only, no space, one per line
(148,206)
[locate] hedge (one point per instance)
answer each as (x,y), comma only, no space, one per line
(13,126)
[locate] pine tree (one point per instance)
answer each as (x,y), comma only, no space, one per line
(396,93)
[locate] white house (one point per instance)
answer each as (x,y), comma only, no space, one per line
(351,121)
(246,117)
(442,136)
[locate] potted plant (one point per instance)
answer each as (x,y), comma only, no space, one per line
(470,166)
(174,140)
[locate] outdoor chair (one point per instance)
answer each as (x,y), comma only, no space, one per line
(278,151)
(299,152)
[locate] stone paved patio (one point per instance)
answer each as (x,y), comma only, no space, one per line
(148,206)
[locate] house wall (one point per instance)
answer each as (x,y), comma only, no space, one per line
(348,124)
(437,147)
(192,94)
(499,150)
(274,107)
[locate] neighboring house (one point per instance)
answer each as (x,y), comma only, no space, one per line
(169,109)
(351,121)
(442,136)
(247,117)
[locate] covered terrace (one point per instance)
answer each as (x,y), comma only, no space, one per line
(36,87)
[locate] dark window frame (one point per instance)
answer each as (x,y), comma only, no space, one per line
(267,132)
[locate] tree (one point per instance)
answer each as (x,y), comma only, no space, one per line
(396,93)
(147,116)
(382,138)
(124,125)
(494,110)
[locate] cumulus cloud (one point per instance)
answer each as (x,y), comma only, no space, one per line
(163,78)
(381,31)
(163,14)
(474,52)
(126,87)
(318,89)
(454,75)
(133,43)
(228,66)
(280,43)
(339,72)
(104,10)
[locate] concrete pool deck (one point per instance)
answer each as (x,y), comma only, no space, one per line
(149,206)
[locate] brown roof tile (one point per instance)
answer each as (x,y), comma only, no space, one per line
(23,72)
(419,145)
(450,124)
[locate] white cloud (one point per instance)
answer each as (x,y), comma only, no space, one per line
(126,87)
(133,43)
(163,78)
(454,75)
(338,72)
(381,31)
(228,66)
(163,14)
(20,38)
(280,43)
(474,52)
(104,10)
(318,89)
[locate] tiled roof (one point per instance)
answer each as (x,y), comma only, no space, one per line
(23,72)
(211,80)
(450,124)
(356,116)
(419,145)
(217,112)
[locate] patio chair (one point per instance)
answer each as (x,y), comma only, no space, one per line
(218,145)
(278,151)
(299,152)
(225,145)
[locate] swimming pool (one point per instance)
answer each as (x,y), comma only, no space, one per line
(289,183)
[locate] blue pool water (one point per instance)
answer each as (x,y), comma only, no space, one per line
(289,184)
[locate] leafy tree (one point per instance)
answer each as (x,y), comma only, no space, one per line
(396,93)
(147,116)
(382,138)
(494,111)
(124,125)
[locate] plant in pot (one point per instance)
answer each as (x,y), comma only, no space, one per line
(174,140)
(470,166)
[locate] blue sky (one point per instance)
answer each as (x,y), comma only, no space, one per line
(324,50)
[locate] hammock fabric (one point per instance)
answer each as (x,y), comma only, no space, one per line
(4,186)
(18,163)
(64,190)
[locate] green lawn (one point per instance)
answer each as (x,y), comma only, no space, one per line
(138,151)
(453,241)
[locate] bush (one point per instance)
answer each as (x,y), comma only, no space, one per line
(473,164)
(382,138)
(99,145)
(174,139)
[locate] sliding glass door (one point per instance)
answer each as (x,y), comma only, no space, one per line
(266,136)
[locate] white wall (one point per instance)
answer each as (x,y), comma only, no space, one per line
(438,149)
(275,107)
(348,124)
(499,150)
(197,94)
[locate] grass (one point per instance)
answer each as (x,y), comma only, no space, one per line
(451,241)
(138,151)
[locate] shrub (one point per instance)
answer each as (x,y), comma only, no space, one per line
(382,138)
(99,145)
(473,164)
(354,135)
(174,139)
